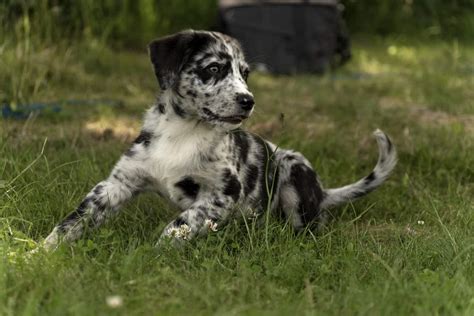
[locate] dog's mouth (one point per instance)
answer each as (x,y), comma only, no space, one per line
(234,119)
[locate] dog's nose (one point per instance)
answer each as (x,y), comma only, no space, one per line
(245,101)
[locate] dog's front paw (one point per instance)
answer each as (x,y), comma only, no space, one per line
(175,235)
(52,241)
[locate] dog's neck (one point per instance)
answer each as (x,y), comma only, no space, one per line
(168,119)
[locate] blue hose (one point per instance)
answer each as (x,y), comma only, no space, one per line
(23,111)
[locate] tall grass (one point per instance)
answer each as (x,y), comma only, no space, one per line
(88,26)
(129,23)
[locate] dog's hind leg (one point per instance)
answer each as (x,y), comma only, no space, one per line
(300,193)
(99,204)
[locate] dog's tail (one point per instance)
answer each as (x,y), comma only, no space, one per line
(385,164)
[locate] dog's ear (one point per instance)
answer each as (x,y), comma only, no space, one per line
(168,55)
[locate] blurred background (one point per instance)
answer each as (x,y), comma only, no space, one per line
(53,51)
(132,23)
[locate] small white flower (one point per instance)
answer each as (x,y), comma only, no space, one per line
(181,232)
(253,214)
(184,231)
(114,301)
(421,222)
(211,225)
(173,231)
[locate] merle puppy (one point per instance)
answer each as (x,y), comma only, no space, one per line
(192,151)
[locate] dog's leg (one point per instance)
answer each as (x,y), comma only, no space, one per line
(300,191)
(99,204)
(203,216)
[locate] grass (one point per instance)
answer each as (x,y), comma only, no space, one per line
(405,249)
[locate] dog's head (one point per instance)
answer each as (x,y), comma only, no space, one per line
(206,74)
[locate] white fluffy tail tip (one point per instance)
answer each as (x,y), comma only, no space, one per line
(381,136)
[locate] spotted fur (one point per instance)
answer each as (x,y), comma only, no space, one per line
(192,151)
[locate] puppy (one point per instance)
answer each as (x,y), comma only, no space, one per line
(191,151)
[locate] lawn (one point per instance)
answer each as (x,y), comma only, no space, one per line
(407,248)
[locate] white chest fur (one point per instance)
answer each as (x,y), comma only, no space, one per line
(179,150)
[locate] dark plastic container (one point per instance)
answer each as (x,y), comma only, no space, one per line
(287,37)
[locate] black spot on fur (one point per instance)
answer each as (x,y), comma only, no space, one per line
(244,72)
(98,189)
(232,185)
(218,203)
(207,95)
(389,142)
(224,55)
(250,179)
(144,138)
(161,108)
(189,187)
(241,141)
(359,194)
(370,177)
(191,93)
(304,181)
(98,204)
(210,114)
(117,176)
(180,221)
(82,207)
(178,109)
(75,215)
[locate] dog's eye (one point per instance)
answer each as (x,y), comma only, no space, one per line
(213,68)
